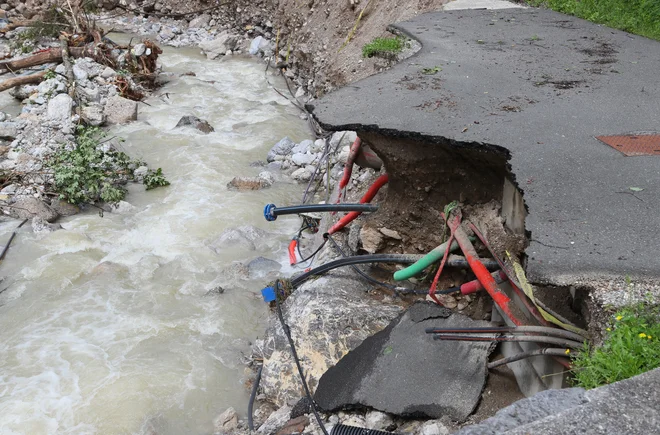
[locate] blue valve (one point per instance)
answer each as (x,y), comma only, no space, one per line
(268,212)
(268,293)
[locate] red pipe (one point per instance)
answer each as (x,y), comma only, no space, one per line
(292,252)
(371,193)
(475,286)
(348,167)
(484,277)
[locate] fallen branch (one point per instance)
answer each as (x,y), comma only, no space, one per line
(48,56)
(15,25)
(68,68)
(22,80)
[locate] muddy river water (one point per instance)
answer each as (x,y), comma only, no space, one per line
(106,325)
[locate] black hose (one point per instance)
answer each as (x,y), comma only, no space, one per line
(531,353)
(382,258)
(287,332)
(524,329)
(253,395)
(271,212)
(358,259)
(4,251)
(342,429)
(396,289)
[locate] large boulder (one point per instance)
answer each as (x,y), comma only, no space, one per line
(196,123)
(27,208)
(119,110)
(328,317)
(218,46)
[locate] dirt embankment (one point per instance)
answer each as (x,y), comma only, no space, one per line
(313,34)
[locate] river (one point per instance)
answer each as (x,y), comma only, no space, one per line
(106,325)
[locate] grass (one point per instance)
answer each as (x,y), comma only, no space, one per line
(641,17)
(383,47)
(631,347)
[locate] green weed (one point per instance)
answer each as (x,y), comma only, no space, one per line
(641,17)
(155,179)
(89,173)
(631,347)
(383,47)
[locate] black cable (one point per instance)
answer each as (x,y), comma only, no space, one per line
(311,256)
(358,259)
(253,395)
(287,332)
(374,281)
(310,208)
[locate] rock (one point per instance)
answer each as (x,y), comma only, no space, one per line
(22,92)
(166,34)
(122,207)
(227,421)
(343,154)
(301,174)
(51,87)
(300,159)
(342,138)
(196,123)
(9,190)
(390,233)
(215,290)
(138,50)
(200,21)
(3,116)
(9,130)
(118,110)
(254,45)
(79,73)
(377,420)
(303,147)
(27,208)
(140,172)
(262,413)
(319,146)
(294,426)
(247,183)
(267,179)
(59,108)
(39,225)
(63,208)
(328,317)
(433,427)
(371,239)
(108,73)
(355,421)
(244,237)
(281,148)
(261,267)
(275,421)
(93,115)
(219,46)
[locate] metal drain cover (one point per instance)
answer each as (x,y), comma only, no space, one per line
(634,144)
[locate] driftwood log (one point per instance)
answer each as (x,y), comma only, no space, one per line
(22,80)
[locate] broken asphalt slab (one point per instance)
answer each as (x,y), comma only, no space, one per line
(536,86)
(402,370)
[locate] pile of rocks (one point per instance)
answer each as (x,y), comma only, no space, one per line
(47,123)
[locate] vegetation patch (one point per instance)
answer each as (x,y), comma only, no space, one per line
(641,17)
(631,347)
(384,47)
(91,172)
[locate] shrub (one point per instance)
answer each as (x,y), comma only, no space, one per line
(631,347)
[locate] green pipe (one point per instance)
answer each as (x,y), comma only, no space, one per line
(435,255)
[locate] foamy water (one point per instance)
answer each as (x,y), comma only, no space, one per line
(106,326)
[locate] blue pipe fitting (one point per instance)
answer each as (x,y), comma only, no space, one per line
(268,212)
(268,293)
